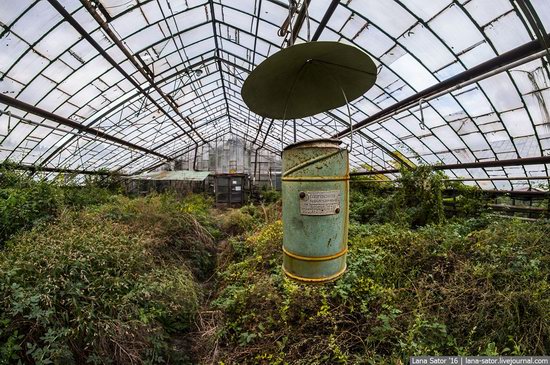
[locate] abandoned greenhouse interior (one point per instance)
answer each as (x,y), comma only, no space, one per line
(274,182)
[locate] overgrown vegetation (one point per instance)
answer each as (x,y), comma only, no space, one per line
(245,220)
(27,200)
(111,284)
(437,290)
(90,276)
(415,200)
(467,285)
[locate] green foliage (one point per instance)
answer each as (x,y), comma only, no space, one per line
(110,284)
(200,207)
(247,219)
(420,194)
(466,287)
(27,200)
(166,217)
(238,221)
(115,281)
(94,190)
(415,201)
(268,196)
(83,196)
(470,201)
(197,204)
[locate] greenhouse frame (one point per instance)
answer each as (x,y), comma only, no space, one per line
(128,85)
(274,182)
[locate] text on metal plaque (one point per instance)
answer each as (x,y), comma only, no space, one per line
(320,202)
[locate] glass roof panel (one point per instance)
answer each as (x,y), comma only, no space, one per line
(172,75)
(456,29)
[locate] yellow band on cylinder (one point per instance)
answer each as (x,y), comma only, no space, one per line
(315,280)
(315,258)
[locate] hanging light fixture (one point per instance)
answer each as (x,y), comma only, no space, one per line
(307,79)
(296,82)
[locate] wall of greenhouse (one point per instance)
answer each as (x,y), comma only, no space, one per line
(230,154)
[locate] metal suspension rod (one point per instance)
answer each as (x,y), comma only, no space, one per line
(195,157)
(262,145)
(373,141)
(331,8)
(299,21)
(259,130)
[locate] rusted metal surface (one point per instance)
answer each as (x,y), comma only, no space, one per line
(315,210)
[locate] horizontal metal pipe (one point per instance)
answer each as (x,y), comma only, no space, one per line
(56,169)
(489,192)
(53,128)
(502,60)
(499,178)
(18,104)
(517,208)
(516,217)
(469,165)
(518,193)
(464,84)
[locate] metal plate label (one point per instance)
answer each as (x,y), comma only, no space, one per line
(320,202)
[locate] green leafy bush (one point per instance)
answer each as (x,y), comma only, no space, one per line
(25,202)
(169,220)
(236,221)
(457,288)
(268,196)
(415,201)
(419,194)
(111,284)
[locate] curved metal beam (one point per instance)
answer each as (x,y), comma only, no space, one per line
(72,124)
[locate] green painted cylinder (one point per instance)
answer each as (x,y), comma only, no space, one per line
(315,186)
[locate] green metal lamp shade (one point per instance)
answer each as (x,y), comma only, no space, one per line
(308,79)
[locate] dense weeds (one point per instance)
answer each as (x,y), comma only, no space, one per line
(27,201)
(470,285)
(116,283)
(438,290)
(110,279)
(448,289)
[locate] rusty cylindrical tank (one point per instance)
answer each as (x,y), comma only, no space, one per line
(315,187)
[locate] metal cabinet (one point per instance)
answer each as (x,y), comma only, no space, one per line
(231,189)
